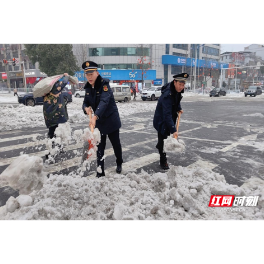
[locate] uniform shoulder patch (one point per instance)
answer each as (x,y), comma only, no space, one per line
(105,88)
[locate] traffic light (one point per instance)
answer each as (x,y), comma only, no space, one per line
(5,61)
(14,61)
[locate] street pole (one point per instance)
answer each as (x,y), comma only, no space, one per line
(7,70)
(235,79)
(25,79)
(195,67)
(22,66)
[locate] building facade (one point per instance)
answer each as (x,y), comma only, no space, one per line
(245,72)
(151,56)
(17,51)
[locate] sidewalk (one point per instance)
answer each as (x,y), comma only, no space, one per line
(8,98)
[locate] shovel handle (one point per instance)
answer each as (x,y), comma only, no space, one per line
(90,116)
(178,122)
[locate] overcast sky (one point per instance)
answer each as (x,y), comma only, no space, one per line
(234,47)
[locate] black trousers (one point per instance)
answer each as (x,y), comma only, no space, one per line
(160,144)
(115,141)
(52,131)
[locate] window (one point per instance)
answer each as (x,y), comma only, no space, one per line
(118,89)
(180,46)
(210,51)
(167,48)
(179,54)
(125,89)
(113,89)
(130,51)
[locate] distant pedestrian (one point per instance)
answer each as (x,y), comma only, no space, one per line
(134,92)
(15,92)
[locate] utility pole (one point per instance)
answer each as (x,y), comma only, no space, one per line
(22,66)
(195,67)
(7,70)
(142,66)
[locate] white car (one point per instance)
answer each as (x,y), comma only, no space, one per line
(80,93)
(152,93)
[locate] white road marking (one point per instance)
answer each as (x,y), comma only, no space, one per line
(203,163)
(20,137)
(135,164)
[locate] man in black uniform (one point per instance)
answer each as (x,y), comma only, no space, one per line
(167,112)
(99,98)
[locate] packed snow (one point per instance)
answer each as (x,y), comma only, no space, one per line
(174,145)
(179,193)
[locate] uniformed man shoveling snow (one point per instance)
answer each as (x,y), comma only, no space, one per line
(167,111)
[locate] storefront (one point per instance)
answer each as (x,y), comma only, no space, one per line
(123,76)
(204,68)
(32,77)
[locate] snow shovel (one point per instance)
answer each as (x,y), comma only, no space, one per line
(177,126)
(88,144)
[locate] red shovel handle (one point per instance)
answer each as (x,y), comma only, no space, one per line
(90,116)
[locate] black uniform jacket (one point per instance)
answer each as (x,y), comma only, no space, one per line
(102,101)
(166,111)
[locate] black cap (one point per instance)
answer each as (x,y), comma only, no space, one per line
(89,66)
(181,77)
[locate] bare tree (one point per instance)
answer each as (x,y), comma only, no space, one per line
(142,61)
(81,53)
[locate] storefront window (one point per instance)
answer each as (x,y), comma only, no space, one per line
(130,51)
(180,46)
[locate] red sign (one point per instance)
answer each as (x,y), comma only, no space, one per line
(221,200)
(4,75)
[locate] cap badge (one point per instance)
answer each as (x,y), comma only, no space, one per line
(185,75)
(87,64)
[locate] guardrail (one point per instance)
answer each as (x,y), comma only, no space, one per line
(19,90)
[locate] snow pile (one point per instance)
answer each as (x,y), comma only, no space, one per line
(24,174)
(181,193)
(26,116)
(173,145)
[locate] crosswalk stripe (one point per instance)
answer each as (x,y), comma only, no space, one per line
(132,165)
(108,152)
(19,137)
(7,161)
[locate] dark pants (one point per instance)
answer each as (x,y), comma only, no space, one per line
(52,131)
(160,144)
(115,141)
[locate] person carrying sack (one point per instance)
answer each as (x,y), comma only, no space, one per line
(54,107)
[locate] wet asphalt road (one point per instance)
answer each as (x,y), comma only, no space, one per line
(224,134)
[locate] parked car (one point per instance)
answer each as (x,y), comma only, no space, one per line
(80,93)
(253,91)
(121,93)
(152,93)
(29,100)
(217,92)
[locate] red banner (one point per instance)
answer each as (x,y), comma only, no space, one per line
(4,76)
(231,72)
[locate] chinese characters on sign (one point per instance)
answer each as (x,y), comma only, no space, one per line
(231,200)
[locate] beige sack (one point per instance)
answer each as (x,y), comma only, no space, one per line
(44,86)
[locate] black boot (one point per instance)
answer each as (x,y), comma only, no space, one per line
(119,168)
(163,161)
(99,175)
